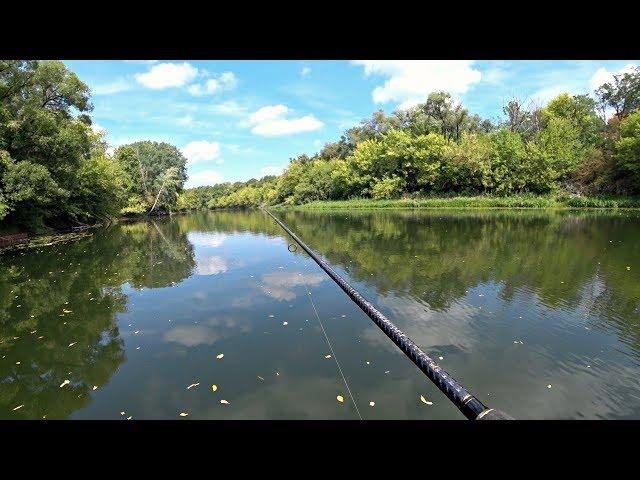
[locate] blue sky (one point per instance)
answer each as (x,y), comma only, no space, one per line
(235,120)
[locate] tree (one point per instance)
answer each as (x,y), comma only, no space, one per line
(155,172)
(622,94)
(580,111)
(627,149)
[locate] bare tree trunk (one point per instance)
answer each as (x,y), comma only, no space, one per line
(158,196)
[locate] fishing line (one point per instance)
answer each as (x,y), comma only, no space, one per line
(333,354)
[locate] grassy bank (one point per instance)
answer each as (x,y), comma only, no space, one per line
(514,201)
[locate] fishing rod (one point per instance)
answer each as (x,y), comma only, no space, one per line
(470,406)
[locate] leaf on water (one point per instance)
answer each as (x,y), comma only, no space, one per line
(224,402)
(66,311)
(549,386)
(387,371)
(327,356)
(129,418)
(214,387)
(183,414)
(219,356)
(193,385)
(261,378)
(123,413)
(72,344)
(372,404)
(425,401)
(340,398)
(66,382)
(95,387)
(18,407)
(285,323)
(270,316)
(441,358)
(628,268)
(136,332)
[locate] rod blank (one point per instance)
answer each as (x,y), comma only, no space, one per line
(470,406)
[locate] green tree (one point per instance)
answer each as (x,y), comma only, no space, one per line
(627,148)
(622,94)
(155,172)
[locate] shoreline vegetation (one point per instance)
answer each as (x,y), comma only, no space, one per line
(577,151)
(472,202)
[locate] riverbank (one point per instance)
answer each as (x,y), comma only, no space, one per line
(481,201)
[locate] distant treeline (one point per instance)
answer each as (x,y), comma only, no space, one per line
(573,145)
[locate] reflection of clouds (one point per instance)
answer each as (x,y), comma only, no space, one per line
(426,327)
(208,333)
(191,335)
(210,265)
(206,239)
(279,285)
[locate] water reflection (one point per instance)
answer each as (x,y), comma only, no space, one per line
(510,301)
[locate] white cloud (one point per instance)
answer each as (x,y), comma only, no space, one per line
(271,170)
(166,75)
(141,61)
(305,71)
(205,177)
(603,75)
(119,85)
(410,81)
(202,151)
(270,121)
(225,81)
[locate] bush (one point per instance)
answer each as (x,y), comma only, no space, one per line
(388,187)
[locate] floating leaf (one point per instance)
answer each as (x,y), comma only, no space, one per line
(123,413)
(193,385)
(219,356)
(224,402)
(327,356)
(285,323)
(183,414)
(95,387)
(372,404)
(425,401)
(261,378)
(440,358)
(129,418)
(214,387)
(18,407)
(549,386)
(72,344)
(340,398)
(66,382)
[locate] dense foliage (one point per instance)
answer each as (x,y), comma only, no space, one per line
(54,169)
(573,145)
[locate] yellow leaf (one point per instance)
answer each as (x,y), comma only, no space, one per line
(425,401)
(18,407)
(72,344)
(327,356)
(66,382)
(193,385)
(183,414)
(372,404)
(224,402)
(340,398)
(219,356)
(214,388)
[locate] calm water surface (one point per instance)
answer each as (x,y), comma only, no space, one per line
(535,313)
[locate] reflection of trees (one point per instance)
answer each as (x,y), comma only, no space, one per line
(437,256)
(231,221)
(84,278)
